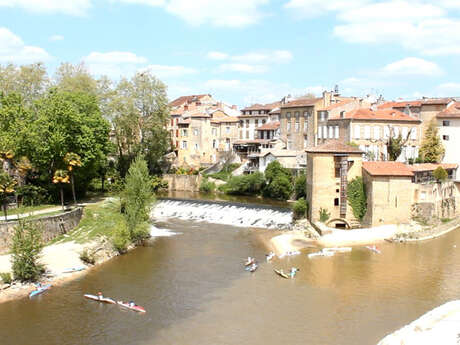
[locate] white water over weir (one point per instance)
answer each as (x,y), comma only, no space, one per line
(218,212)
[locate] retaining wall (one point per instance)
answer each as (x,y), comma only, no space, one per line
(51,226)
(188,183)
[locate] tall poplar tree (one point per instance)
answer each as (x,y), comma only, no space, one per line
(432,150)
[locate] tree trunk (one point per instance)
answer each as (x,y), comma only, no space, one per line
(62,197)
(73,190)
(102,182)
(4,209)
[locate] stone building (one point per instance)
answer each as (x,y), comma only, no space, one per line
(448,122)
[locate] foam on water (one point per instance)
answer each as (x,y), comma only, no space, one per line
(158,232)
(224,213)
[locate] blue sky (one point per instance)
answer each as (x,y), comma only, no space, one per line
(245,51)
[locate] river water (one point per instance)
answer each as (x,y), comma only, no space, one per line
(192,283)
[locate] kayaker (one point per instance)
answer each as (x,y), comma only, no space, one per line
(99,295)
(132,304)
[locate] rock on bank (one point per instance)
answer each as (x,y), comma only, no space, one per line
(439,326)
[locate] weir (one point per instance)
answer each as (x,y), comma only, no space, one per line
(223,212)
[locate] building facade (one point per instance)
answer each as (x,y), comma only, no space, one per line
(448,122)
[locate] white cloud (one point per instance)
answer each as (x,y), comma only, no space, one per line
(72,7)
(412,66)
(276,56)
(241,67)
(313,8)
(114,64)
(13,49)
(56,38)
(217,55)
(448,89)
(221,13)
(166,71)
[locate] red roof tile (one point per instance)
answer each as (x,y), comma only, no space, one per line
(268,106)
(337,105)
(387,169)
(379,115)
(400,104)
(431,166)
(225,119)
(186,99)
(334,146)
(451,111)
(269,126)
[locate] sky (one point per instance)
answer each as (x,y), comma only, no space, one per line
(247,51)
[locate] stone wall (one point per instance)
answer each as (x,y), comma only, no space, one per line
(52,226)
(188,183)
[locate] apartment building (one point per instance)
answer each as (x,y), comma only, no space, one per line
(448,122)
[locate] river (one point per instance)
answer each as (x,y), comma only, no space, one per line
(195,290)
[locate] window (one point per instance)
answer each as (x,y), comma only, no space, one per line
(263,121)
(305,142)
(331,132)
(336,132)
(289,145)
(446,123)
(367,132)
(337,190)
(357,131)
(172,122)
(296,126)
(214,131)
(195,131)
(197,147)
(305,125)
(247,134)
(289,126)
(256,121)
(445,137)
(336,202)
(405,132)
(214,144)
(184,133)
(320,132)
(241,134)
(227,130)
(386,132)
(306,114)
(325,132)
(413,133)
(395,132)
(184,144)
(288,116)
(247,123)
(297,114)
(376,132)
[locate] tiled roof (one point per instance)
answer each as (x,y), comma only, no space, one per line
(379,115)
(303,102)
(268,106)
(334,146)
(451,111)
(225,119)
(337,105)
(431,166)
(269,126)
(400,104)
(253,116)
(441,101)
(186,99)
(387,169)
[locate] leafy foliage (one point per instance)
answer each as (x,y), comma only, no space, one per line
(356,193)
(88,256)
(440,174)
(251,184)
(300,208)
(300,186)
(207,186)
(137,198)
(7,185)
(324,215)
(6,277)
(31,195)
(432,150)
(25,252)
(279,185)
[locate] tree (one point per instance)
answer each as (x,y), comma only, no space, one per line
(440,174)
(432,150)
(395,144)
(300,208)
(7,185)
(300,186)
(279,185)
(75,78)
(72,160)
(356,194)
(61,177)
(25,252)
(137,198)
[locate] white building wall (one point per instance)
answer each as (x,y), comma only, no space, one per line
(450,138)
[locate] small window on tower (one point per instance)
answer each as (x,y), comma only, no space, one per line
(336,202)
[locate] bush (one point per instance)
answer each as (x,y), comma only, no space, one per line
(300,208)
(300,186)
(158,183)
(356,193)
(440,174)
(6,277)
(120,239)
(324,215)
(280,188)
(31,195)
(274,169)
(251,184)
(88,256)
(26,248)
(207,186)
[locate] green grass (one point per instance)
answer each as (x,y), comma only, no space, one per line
(101,219)
(28,209)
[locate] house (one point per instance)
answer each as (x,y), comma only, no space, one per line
(253,117)
(289,159)
(370,129)
(448,122)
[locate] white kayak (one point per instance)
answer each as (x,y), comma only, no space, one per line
(135,307)
(102,300)
(321,253)
(338,249)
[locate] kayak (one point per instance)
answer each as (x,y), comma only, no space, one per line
(103,299)
(270,256)
(281,273)
(40,290)
(374,249)
(137,308)
(250,261)
(321,253)
(251,268)
(74,269)
(338,249)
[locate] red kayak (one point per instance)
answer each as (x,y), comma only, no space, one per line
(137,308)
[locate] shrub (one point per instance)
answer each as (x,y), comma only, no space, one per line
(31,195)
(279,188)
(121,239)
(324,215)
(88,256)
(245,185)
(300,208)
(207,186)
(274,169)
(300,186)
(6,277)
(26,248)
(356,193)
(440,173)
(158,183)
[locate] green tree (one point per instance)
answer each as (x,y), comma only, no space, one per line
(25,252)
(7,185)
(137,198)
(300,186)
(75,78)
(279,185)
(300,208)
(395,144)
(356,194)
(275,169)
(440,174)
(432,150)
(251,184)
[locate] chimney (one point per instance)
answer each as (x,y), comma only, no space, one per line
(234,107)
(327,97)
(185,107)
